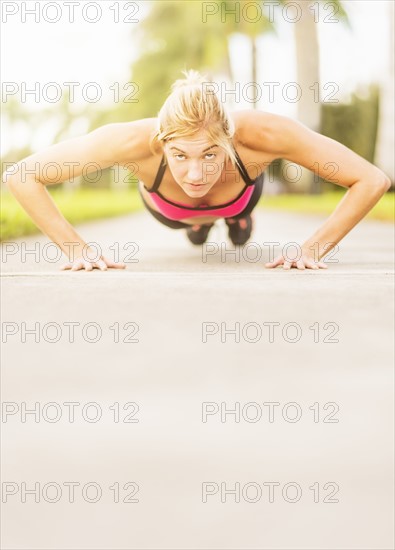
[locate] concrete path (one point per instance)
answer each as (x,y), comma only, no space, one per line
(204,402)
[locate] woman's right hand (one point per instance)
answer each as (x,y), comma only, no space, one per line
(88,265)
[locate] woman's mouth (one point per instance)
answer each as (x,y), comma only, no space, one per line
(196,185)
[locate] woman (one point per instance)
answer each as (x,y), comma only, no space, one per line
(197,163)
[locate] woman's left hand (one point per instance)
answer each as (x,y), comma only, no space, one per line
(306,261)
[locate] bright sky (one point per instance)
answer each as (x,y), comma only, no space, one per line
(44,52)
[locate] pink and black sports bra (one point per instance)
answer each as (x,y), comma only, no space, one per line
(178,211)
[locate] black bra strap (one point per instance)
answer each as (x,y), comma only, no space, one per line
(159,175)
(243,170)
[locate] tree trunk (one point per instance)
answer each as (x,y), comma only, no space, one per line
(308,75)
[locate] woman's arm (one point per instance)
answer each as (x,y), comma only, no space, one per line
(291,140)
(27,180)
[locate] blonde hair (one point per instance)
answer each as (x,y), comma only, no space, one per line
(193,106)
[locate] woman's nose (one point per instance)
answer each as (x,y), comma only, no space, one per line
(194,173)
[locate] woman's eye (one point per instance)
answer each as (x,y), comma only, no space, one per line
(211,155)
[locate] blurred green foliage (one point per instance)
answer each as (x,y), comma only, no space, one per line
(354,124)
(79,205)
(326,203)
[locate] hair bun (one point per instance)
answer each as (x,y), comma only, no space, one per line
(192,78)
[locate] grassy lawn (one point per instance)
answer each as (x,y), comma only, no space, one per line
(91,204)
(325,204)
(78,206)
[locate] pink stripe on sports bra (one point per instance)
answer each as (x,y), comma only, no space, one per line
(178,211)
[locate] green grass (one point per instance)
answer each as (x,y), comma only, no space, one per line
(91,204)
(77,206)
(325,204)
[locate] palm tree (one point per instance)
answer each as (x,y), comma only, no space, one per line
(168,48)
(196,41)
(251,24)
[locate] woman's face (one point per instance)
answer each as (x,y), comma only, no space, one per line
(195,163)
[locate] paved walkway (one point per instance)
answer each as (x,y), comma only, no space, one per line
(303,358)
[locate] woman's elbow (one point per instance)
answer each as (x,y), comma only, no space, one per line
(384,183)
(381,182)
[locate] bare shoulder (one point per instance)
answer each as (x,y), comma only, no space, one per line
(128,141)
(262,131)
(283,137)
